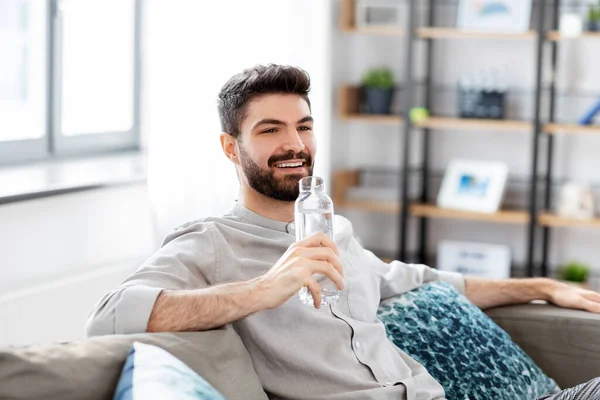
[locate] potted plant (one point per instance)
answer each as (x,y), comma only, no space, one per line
(594,18)
(378,90)
(575,273)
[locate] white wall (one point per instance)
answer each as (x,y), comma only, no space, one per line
(60,254)
(57,311)
(191,53)
(368,145)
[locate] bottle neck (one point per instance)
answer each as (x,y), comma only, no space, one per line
(312,184)
(314,189)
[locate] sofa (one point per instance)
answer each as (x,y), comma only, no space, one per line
(564,343)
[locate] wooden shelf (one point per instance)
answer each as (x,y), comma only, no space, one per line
(571,129)
(553,220)
(474,124)
(451,33)
(504,216)
(373,119)
(348,24)
(343,180)
(373,206)
(349,108)
(555,36)
(349,101)
(375,30)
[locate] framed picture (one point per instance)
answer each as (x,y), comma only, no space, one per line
(473,186)
(499,16)
(483,260)
(379,13)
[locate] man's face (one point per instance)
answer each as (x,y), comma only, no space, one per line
(277,145)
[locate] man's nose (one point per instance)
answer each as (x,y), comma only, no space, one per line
(293,142)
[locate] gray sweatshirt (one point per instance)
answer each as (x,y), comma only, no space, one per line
(299,352)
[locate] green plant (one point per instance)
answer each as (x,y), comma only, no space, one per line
(594,13)
(380,78)
(574,272)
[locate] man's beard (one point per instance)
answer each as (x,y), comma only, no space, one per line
(266,183)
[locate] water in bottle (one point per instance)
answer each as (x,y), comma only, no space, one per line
(314,213)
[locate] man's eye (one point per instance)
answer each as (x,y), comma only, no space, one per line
(304,128)
(272,130)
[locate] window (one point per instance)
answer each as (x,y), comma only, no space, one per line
(69,77)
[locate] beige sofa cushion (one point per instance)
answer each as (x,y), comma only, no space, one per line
(90,369)
(564,343)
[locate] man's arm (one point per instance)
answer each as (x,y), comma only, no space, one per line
(156,298)
(486,293)
(180,264)
(207,308)
(204,309)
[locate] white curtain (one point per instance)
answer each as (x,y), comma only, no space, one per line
(192,48)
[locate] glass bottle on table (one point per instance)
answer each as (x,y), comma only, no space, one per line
(314,213)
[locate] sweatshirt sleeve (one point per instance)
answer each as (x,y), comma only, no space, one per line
(176,265)
(396,277)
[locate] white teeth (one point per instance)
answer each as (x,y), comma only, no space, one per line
(289,165)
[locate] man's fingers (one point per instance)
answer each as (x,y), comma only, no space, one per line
(315,291)
(325,268)
(318,239)
(593,296)
(324,254)
(591,306)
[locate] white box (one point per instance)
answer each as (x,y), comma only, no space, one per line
(482,260)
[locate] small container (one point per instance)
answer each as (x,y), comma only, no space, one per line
(482,96)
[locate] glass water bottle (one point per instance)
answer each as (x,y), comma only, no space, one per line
(314,213)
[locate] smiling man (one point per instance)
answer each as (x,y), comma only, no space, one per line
(245,268)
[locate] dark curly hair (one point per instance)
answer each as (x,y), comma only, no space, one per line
(254,82)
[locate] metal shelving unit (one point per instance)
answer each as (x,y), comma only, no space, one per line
(536,217)
(547,219)
(425,211)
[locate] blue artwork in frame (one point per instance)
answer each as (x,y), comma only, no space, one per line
(494,16)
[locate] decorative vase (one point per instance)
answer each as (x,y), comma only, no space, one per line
(576,201)
(377,100)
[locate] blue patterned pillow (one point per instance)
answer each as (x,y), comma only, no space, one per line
(152,373)
(460,346)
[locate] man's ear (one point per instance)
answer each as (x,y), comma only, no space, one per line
(229,146)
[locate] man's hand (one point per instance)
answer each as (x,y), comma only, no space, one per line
(486,293)
(567,296)
(316,254)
